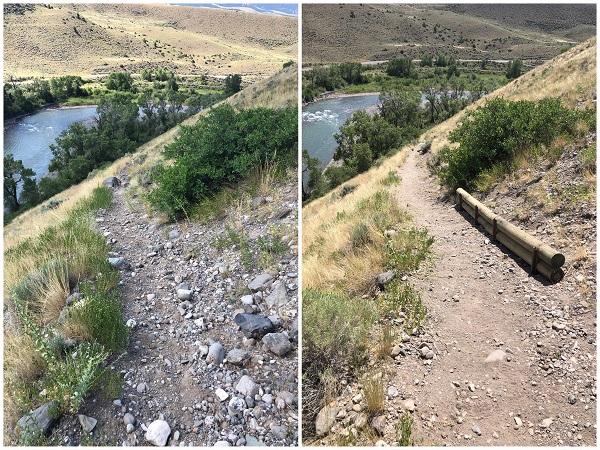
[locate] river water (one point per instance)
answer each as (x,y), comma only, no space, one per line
(323,118)
(29,137)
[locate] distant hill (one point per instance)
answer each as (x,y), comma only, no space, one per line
(365,32)
(95,39)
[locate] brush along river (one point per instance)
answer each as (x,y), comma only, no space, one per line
(29,138)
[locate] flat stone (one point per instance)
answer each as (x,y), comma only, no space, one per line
(278,296)
(42,418)
(277,343)
(112,182)
(385,278)
(128,418)
(254,325)
(546,423)
(495,357)
(221,395)
(325,420)
(408,404)
(378,424)
(246,386)
(260,281)
(184,294)
(216,354)
(87,423)
(237,356)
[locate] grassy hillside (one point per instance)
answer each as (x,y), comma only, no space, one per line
(97,39)
(570,76)
(279,90)
(356,233)
(466,32)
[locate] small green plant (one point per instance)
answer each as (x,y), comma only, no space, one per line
(399,298)
(111,384)
(588,158)
(407,249)
(360,236)
(404,430)
(391,178)
(270,246)
(374,393)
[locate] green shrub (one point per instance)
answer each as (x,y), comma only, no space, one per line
(221,149)
(101,315)
(360,236)
(335,330)
(407,249)
(496,132)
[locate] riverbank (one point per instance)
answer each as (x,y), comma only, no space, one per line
(330,95)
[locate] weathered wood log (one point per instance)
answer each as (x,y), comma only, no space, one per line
(541,257)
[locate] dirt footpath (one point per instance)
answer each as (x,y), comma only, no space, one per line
(483,304)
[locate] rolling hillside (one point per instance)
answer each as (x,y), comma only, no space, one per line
(381,32)
(97,39)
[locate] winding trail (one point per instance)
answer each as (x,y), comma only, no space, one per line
(166,374)
(479,300)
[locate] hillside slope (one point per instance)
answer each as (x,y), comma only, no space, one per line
(463,32)
(195,368)
(97,39)
(277,91)
(482,303)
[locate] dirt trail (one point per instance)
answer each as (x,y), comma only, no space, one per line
(166,371)
(480,299)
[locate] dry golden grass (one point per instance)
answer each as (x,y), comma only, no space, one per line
(324,235)
(22,366)
(105,38)
(277,91)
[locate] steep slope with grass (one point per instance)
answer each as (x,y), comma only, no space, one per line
(98,39)
(205,308)
(387,31)
(277,91)
(501,357)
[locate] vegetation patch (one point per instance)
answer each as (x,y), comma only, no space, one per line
(222,149)
(491,139)
(335,341)
(56,348)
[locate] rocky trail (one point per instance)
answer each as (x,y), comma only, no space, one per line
(515,356)
(505,358)
(212,355)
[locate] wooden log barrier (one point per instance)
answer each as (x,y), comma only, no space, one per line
(541,257)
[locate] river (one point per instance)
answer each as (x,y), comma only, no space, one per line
(323,118)
(29,137)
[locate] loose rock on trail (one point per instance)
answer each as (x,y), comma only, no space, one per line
(193,373)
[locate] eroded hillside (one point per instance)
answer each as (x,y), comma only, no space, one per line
(383,32)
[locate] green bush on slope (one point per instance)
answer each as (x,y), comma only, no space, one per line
(221,149)
(495,133)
